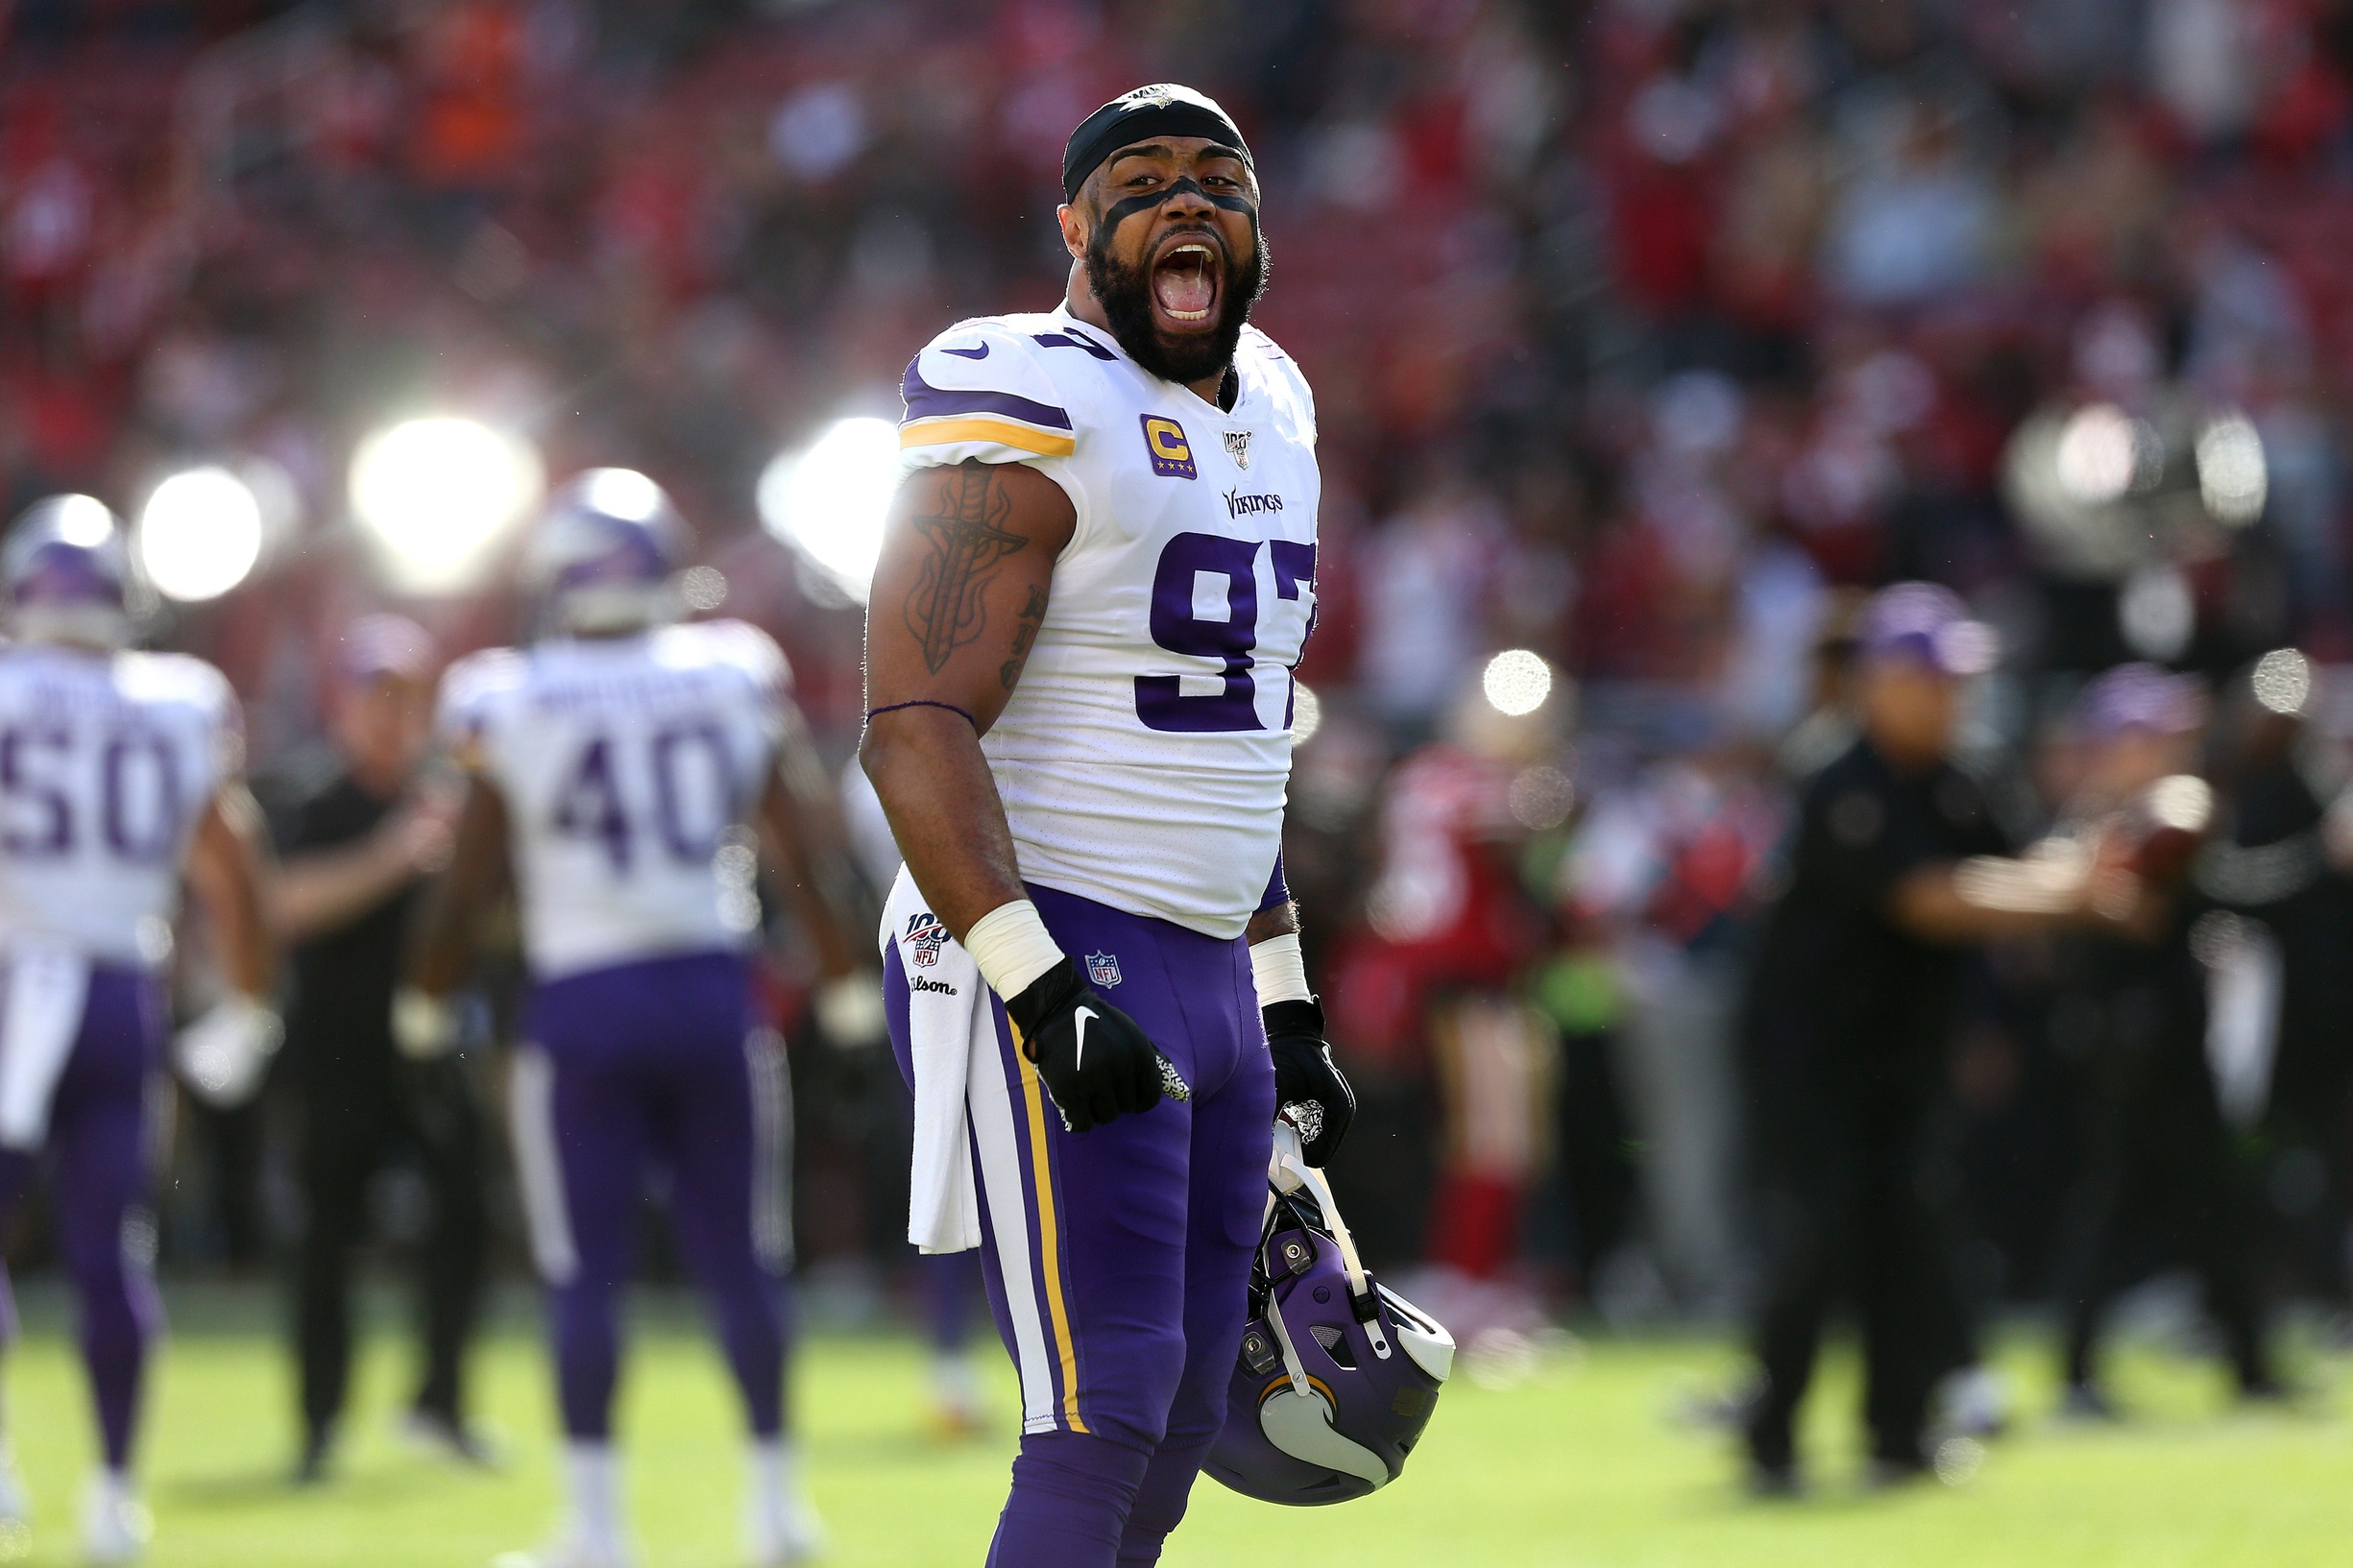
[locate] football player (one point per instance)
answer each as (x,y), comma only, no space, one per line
(1094,582)
(119,773)
(625,772)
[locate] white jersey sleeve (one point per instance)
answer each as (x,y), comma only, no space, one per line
(985,390)
(629,768)
(108,763)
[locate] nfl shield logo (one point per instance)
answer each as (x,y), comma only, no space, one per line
(1238,448)
(1103,968)
(925,936)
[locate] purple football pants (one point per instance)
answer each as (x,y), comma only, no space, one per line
(1117,1261)
(655,1067)
(97,1150)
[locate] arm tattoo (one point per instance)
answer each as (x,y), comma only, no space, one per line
(1024,633)
(966,529)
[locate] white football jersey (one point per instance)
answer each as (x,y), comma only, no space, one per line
(108,761)
(626,764)
(1144,754)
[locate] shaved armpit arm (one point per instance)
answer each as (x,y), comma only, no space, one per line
(227,871)
(441,947)
(802,835)
(966,570)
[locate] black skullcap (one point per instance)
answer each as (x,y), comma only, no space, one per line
(1162,109)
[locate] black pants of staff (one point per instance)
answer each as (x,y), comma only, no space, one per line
(352,1128)
(1840,1195)
(2158,1169)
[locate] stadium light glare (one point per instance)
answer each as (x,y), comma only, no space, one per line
(2283,682)
(437,496)
(828,500)
(199,535)
(2098,454)
(1516,681)
(2233,477)
(83,520)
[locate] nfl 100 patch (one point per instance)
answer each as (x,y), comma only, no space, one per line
(1238,448)
(1165,444)
(1103,968)
(923,938)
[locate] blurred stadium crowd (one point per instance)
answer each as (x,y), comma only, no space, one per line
(1645,335)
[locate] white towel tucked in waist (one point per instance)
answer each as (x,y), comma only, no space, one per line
(952,1031)
(48,987)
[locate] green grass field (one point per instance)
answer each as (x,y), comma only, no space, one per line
(1576,1467)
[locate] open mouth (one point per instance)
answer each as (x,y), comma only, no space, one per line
(1184,282)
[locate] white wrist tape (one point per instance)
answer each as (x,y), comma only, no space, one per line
(1011,945)
(1281,972)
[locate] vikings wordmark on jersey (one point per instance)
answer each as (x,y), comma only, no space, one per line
(1144,757)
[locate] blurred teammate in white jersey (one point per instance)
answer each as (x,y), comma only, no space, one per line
(622,768)
(119,773)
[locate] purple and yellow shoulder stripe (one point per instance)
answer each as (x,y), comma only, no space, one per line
(949,415)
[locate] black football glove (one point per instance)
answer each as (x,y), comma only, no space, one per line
(1308,1089)
(1096,1061)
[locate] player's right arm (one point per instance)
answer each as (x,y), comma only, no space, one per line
(224,871)
(965,575)
(481,875)
(442,947)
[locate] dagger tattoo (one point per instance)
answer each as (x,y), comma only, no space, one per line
(947,609)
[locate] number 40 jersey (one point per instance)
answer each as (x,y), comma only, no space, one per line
(625,764)
(1143,758)
(107,761)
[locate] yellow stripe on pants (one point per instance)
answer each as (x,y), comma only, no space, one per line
(1048,1246)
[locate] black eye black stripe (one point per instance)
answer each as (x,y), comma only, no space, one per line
(1120,211)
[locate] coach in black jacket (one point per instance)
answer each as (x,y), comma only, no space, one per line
(1897,865)
(354,850)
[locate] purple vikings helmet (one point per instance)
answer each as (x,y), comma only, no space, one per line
(1338,1373)
(602,553)
(68,574)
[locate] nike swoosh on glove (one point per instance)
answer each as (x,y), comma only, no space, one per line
(1308,1089)
(1096,1061)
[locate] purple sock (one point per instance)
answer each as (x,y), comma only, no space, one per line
(97,1136)
(15,1175)
(1161,1499)
(755,1329)
(115,1340)
(1070,1500)
(587,1358)
(950,1284)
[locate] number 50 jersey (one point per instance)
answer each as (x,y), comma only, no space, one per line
(107,763)
(624,762)
(1143,759)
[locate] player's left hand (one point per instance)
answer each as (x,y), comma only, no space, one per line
(1309,1090)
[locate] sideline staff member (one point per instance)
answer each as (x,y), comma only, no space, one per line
(1897,865)
(358,848)
(2156,1158)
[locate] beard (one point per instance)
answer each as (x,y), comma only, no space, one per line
(1125,295)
